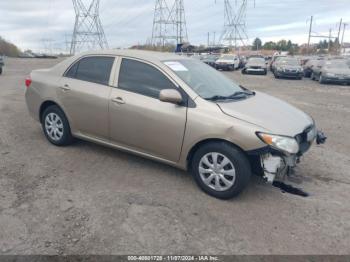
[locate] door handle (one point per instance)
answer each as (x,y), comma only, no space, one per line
(118,100)
(65,87)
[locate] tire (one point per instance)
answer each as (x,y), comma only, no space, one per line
(0,70)
(61,134)
(237,170)
(321,80)
(244,72)
(313,76)
(276,76)
(265,72)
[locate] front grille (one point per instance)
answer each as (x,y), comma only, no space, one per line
(255,67)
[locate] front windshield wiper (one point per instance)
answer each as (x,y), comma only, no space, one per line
(235,95)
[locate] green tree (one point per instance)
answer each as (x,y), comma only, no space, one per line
(8,49)
(270,46)
(257,44)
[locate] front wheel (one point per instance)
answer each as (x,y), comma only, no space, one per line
(221,170)
(321,80)
(56,127)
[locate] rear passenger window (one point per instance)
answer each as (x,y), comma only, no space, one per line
(92,69)
(72,71)
(142,78)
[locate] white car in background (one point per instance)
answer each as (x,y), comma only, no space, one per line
(228,62)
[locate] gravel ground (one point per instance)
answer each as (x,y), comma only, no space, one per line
(87,199)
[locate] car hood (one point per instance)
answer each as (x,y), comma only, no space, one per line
(291,67)
(256,64)
(224,61)
(270,113)
(343,71)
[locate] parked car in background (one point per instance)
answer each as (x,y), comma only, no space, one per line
(191,116)
(274,59)
(2,63)
(255,65)
(242,61)
(309,65)
(210,59)
(332,71)
(288,67)
(227,62)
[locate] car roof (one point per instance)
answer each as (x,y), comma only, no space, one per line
(151,56)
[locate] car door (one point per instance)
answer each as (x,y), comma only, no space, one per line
(84,94)
(138,119)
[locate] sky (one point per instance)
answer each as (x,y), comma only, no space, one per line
(43,24)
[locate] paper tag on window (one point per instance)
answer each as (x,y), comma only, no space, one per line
(176,66)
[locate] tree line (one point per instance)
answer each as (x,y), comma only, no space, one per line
(8,49)
(292,48)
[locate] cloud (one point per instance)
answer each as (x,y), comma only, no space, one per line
(29,23)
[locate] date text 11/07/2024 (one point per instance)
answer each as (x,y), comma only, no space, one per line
(173,258)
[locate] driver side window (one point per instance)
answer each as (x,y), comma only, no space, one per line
(141,78)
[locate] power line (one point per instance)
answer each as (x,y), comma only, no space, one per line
(169,24)
(234,33)
(88,31)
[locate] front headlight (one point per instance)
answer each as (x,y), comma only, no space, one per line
(282,143)
(280,69)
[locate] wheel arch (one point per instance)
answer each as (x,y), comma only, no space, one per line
(45,105)
(196,146)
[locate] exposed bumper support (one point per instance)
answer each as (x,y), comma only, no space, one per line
(277,167)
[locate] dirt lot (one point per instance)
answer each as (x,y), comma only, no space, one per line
(87,199)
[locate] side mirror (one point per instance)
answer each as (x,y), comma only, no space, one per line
(170,96)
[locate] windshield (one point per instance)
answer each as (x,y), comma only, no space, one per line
(337,64)
(228,57)
(204,80)
(292,62)
(256,60)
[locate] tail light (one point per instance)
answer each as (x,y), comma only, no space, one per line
(28,82)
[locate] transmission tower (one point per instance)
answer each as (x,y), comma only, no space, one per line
(234,33)
(88,33)
(169,24)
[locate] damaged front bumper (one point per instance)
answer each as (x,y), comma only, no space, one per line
(277,166)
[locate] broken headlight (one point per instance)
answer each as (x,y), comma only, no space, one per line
(281,143)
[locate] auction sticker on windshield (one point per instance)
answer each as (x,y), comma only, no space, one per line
(176,66)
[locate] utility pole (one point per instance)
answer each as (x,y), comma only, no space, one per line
(88,31)
(329,40)
(310,30)
(208,42)
(342,38)
(338,44)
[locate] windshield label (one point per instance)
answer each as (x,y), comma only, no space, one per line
(176,66)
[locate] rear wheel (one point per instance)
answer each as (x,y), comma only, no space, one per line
(0,70)
(56,127)
(221,170)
